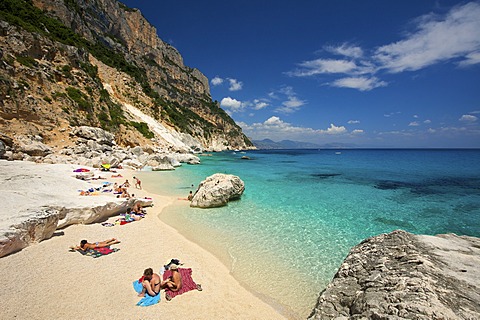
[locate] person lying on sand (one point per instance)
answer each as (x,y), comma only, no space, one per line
(174,282)
(85,245)
(151,283)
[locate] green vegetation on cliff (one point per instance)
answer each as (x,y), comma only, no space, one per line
(184,111)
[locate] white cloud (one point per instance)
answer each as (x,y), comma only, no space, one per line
(235,85)
(391,114)
(455,36)
(360,83)
(322,66)
(353,121)
(468,118)
(413,124)
(289,101)
(357,131)
(475,112)
(470,59)
(232,105)
(346,50)
(415,116)
(291,105)
(259,104)
(277,129)
(216,81)
(427,121)
(335,130)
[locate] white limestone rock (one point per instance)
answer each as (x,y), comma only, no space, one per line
(404,276)
(97,134)
(32,228)
(217,190)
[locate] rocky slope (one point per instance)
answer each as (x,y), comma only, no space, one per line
(404,276)
(70,63)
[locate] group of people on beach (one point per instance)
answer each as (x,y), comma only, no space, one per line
(152,283)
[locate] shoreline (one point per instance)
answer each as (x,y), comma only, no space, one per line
(52,278)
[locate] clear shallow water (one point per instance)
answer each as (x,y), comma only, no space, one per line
(303,210)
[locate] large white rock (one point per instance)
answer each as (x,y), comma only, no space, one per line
(97,134)
(37,199)
(217,190)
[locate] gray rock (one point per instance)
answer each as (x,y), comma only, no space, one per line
(138,151)
(37,226)
(217,190)
(97,134)
(185,158)
(163,167)
(32,146)
(404,276)
(2,149)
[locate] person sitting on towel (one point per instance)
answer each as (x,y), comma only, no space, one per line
(85,245)
(174,282)
(151,283)
(137,208)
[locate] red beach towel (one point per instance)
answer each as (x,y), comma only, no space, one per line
(187,282)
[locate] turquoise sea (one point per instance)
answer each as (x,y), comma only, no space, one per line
(303,210)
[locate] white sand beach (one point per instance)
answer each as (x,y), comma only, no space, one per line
(47,281)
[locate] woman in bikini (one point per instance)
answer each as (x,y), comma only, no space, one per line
(85,245)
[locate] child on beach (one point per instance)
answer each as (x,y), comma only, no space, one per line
(85,245)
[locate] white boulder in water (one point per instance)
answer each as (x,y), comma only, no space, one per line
(217,190)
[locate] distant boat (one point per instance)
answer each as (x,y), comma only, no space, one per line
(338,152)
(245,158)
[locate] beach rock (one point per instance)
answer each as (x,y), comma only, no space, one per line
(35,227)
(98,213)
(217,190)
(3,149)
(404,276)
(32,146)
(185,158)
(99,135)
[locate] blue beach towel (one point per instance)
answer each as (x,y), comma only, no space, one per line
(148,300)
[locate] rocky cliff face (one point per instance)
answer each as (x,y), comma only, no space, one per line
(404,276)
(67,63)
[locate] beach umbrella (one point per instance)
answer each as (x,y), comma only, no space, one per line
(81,170)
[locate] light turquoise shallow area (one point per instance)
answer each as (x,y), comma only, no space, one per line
(303,210)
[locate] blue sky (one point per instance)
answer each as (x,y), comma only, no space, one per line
(370,73)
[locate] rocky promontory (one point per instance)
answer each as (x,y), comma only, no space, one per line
(404,276)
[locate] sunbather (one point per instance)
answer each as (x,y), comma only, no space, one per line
(85,245)
(151,283)
(174,282)
(137,208)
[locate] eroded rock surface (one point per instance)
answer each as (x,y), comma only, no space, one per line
(404,276)
(217,190)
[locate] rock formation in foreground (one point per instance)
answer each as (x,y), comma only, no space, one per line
(404,276)
(217,190)
(38,199)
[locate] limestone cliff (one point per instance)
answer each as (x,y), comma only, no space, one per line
(67,63)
